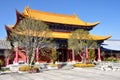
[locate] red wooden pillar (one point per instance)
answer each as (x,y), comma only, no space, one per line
(37,54)
(16,55)
(86,53)
(99,55)
(73,55)
(68,59)
(7,61)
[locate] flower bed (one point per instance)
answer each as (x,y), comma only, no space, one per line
(83,65)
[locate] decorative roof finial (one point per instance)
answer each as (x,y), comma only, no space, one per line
(27,7)
(26,10)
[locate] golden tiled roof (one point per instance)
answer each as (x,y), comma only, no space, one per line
(56,18)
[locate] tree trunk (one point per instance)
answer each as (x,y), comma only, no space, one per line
(27,56)
(32,57)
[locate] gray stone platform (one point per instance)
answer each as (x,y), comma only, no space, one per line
(69,74)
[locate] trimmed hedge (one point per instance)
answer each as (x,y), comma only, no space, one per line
(27,68)
(24,68)
(112,59)
(83,65)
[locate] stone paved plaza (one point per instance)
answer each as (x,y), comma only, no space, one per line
(71,74)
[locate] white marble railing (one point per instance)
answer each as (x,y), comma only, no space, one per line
(106,66)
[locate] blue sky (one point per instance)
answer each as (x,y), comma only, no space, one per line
(107,12)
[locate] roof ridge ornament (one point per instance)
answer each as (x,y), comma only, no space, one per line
(27,7)
(26,10)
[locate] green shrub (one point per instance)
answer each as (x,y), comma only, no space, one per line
(1,62)
(112,59)
(5,69)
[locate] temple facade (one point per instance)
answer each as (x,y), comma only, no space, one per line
(61,26)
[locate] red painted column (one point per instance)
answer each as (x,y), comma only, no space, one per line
(73,56)
(37,54)
(87,53)
(16,55)
(68,56)
(7,61)
(99,56)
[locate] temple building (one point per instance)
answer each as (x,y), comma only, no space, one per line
(111,47)
(61,25)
